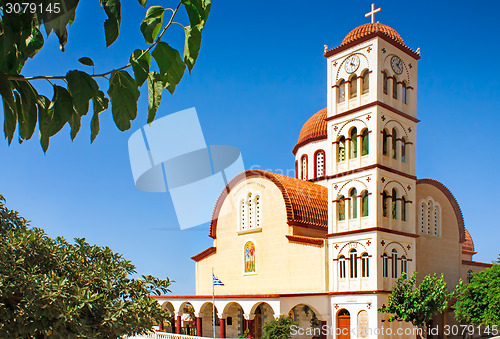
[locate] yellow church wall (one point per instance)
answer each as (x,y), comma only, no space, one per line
(440,254)
(281,266)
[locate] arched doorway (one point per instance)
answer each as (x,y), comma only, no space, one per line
(168,324)
(343,324)
(307,318)
(263,313)
(235,321)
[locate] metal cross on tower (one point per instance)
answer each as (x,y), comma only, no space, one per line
(372,13)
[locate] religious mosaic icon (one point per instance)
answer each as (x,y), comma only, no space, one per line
(249,257)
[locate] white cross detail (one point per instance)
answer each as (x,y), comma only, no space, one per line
(372,13)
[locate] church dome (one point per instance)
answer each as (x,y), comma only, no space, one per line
(468,245)
(370,28)
(313,129)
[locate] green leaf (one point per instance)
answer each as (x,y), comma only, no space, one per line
(10,123)
(6,90)
(140,66)
(143,2)
(33,43)
(82,88)
(124,95)
(87,61)
(45,121)
(59,21)
(152,23)
(100,104)
(192,46)
(111,30)
(27,114)
(197,11)
(112,23)
(60,109)
(155,88)
(170,63)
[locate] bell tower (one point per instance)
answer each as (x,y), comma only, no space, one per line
(363,145)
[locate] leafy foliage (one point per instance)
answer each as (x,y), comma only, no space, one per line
(21,38)
(417,304)
(478,303)
(278,329)
(50,288)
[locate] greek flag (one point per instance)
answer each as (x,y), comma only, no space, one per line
(217,281)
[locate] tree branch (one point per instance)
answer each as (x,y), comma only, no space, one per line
(102,75)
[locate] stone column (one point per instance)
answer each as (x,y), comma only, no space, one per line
(198,327)
(249,326)
(178,325)
(222,327)
(322,335)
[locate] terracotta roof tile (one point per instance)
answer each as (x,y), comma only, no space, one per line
(370,28)
(306,203)
(314,129)
(468,245)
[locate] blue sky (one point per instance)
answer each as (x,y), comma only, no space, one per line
(260,75)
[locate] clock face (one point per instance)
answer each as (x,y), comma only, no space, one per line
(397,64)
(351,63)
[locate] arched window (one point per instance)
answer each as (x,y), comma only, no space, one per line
(243,215)
(341,149)
(353,153)
(364,203)
(249,257)
(469,277)
(341,208)
(384,203)
(353,86)
(385,265)
(365,82)
(394,263)
(430,210)
(353,204)
(423,213)
(403,149)
(386,83)
(364,142)
(404,93)
(365,267)
(353,261)
(304,167)
(296,169)
(342,270)
(257,211)
(404,265)
(436,220)
(251,212)
(394,204)
(394,87)
(430,217)
(384,142)
(394,144)
(403,208)
(320,164)
(341,91)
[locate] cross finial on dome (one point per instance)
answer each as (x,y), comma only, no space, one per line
(372,13)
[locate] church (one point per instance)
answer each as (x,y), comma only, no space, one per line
(326,247)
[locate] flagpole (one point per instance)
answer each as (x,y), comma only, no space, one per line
(213,300)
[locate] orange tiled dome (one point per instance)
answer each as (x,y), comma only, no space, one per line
(314,128)
(370,28)
(468,245)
